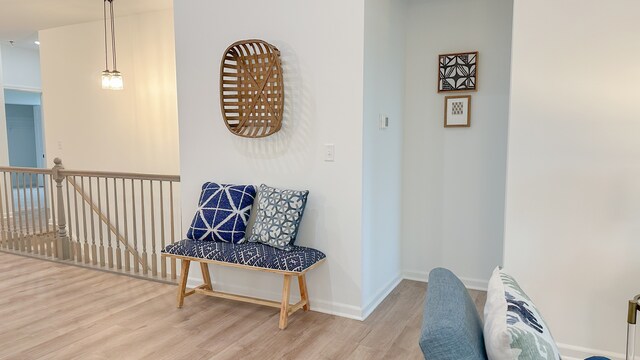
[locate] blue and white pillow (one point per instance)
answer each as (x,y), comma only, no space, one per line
(279,215)
(223,213)
(513,326)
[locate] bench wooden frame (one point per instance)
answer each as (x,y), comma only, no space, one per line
(286,309)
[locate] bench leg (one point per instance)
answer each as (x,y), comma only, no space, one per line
(182,285)
(284,307)
(206,276)
(302,282)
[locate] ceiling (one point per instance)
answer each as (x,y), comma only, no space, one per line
(20,20)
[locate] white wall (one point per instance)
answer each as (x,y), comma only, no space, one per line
(573,199)
(454,178)
(39,131)
(135,129)
(21,67)
(382,149)
(4,149)
(22,97)
(322,56)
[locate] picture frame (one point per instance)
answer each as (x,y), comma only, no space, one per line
(458,72)
(457,111)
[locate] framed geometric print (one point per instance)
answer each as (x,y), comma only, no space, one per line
(457,111)
(458,72)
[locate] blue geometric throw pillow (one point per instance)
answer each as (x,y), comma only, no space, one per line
(223,213)
(279,216)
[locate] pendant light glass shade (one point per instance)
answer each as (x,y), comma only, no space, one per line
(116,82)
(106,80)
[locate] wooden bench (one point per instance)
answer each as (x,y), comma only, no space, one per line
(251,256)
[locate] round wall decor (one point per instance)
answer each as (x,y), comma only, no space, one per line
(252,89)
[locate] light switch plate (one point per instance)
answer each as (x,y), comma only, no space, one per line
(329,152)
(384,121)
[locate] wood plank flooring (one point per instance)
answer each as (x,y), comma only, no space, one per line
(55,311)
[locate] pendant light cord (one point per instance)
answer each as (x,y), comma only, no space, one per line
(113,36)
(106,52)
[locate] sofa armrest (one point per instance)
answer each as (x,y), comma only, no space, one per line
(451,327)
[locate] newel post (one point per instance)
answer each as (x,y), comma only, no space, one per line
(63,236)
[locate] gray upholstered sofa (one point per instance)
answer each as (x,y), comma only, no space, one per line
(451,326)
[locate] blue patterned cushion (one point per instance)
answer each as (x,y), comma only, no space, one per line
(261,255)
(223,213)
(279,215)
(211,250)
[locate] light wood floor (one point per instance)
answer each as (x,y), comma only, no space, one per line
(55,311)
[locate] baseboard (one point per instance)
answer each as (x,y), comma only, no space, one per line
(422,276)
(333,308)
(326,307)
(475,284)
(571,352)
(382,294)
(415,275)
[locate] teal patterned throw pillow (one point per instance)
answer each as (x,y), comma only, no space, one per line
(278,216)
(513,326)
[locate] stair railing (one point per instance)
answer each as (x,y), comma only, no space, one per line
(112,221)
(27,223)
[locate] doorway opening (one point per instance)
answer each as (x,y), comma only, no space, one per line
(24,128)
(25,139)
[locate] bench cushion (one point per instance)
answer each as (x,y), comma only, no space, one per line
(297,259)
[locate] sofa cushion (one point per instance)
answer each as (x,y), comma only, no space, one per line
(223,212)
(451,327)
(514,328)
(278,217)
(297,259)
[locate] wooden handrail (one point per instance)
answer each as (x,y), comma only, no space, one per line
(119,175)
(27,170)
(101,174)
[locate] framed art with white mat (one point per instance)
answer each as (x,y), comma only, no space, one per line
(457,111)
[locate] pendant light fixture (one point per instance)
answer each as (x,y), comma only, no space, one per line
(111,80)
(106,74)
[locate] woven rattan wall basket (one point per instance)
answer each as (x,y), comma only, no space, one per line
(251,88)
